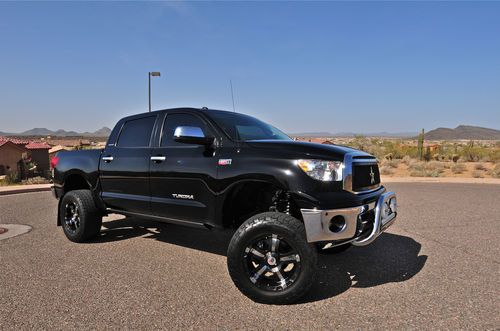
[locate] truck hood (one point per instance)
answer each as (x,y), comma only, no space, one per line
(304,149)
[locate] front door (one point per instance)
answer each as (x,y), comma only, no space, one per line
(183,175)
(124,167)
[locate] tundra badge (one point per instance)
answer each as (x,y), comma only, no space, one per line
(183,196)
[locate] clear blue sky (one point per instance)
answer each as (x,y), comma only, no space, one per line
(343,66)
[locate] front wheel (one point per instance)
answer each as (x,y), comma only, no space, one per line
(269,259)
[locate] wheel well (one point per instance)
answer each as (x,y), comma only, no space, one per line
(75,182)
(251,198)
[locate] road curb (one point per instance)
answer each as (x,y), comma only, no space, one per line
(18,190)
(441,180)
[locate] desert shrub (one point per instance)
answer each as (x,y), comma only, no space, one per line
(495,172)
(474,152)
(12,178)
(423,169)
(416,166)
(406,160)
(434,165)
(433,173)
(493,155)
(480,166)
(385,170)
(458,168)
(390,163)
(477,174)
(418,173)
(455,158)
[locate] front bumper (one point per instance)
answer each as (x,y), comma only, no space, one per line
(359,225)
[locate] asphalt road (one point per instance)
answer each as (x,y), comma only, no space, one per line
(437,267)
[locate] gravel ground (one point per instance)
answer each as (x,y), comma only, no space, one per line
(436,268)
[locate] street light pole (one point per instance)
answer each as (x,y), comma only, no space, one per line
(154,74)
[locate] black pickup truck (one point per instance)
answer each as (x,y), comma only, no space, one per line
(284,200)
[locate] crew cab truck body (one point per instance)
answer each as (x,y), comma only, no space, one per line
(287,200)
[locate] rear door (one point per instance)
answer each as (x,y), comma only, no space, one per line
(124,166)
(183,175)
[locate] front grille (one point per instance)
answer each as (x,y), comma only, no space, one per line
(365,177)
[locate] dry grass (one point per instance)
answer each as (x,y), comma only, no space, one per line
(390,163)
(495,172)
(458,168)
(480,166)
(385,170)
(477,174)
(426,169)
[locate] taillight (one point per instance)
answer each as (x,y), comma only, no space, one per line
(53,162)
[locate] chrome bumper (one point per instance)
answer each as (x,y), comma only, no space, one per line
(318,222)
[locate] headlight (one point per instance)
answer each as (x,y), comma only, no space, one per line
(322,170)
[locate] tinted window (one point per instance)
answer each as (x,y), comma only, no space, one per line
(244,127)
(136,133)
(172,121)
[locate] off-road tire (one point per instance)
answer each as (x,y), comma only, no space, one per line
(90,219)
(292,232)
(332,250)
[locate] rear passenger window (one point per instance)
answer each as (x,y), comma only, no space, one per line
(136,133)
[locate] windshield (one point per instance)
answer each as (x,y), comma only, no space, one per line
(243,127)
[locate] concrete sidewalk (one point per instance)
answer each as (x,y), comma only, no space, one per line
(4,190)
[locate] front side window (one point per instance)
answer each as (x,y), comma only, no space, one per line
(137,132)
(243,127)
(172,121)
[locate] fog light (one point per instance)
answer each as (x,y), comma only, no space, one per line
(337,224)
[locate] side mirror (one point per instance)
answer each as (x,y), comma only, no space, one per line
(192,135)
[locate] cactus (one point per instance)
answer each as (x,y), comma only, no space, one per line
(420,150)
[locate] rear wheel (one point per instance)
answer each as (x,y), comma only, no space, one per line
(80,218)
(270,260)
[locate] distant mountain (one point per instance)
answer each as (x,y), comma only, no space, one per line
(312,134)
(463,132)
(103,132)
(352,134)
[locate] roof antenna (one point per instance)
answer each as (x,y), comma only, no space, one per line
(232,94)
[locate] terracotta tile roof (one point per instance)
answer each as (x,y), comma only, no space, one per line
(37,145)
(15,141)
(19,147)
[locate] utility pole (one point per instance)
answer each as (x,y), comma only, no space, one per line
(154,74)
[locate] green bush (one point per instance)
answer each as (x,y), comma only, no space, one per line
(12,178)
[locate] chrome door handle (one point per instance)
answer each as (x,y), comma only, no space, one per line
(107,159)
(158,159)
